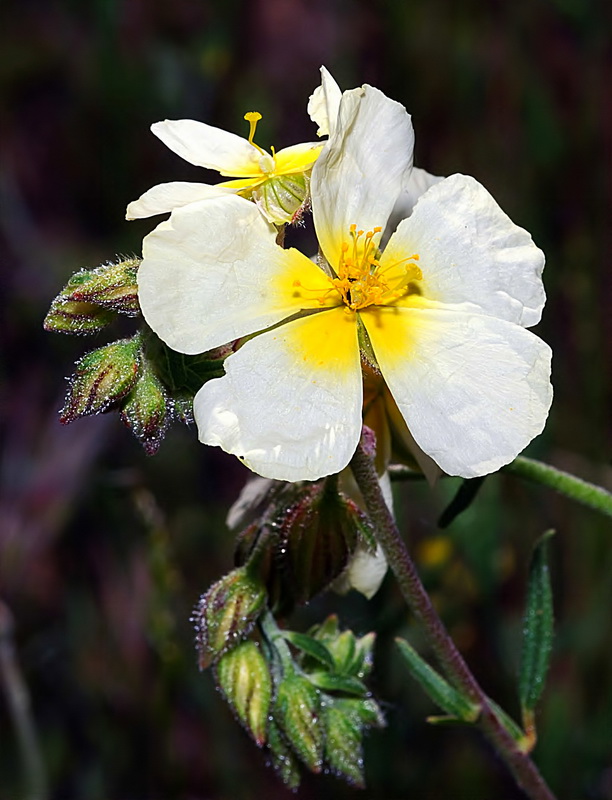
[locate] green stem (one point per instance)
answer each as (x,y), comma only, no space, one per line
(588,494)
(419,602)
(575,488)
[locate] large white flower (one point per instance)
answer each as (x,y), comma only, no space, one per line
(277,182)
(442,310)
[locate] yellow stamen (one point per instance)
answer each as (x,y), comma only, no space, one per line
(360,279)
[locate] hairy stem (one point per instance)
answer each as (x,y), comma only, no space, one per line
(575,488)
(522,767)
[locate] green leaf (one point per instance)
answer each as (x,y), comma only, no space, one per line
(537,627)
(441,692)
(463,499)
(310,646)
(338,683)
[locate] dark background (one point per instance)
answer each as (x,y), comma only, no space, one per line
(104,551)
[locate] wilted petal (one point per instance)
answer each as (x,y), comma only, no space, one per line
(324,104)
(474,390)
(207,146)
(290,403)
(165,197)
(213,273)
(364,573)
(471,252)
(360,173)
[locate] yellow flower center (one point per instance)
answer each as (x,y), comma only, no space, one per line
(362,281)
(267,164)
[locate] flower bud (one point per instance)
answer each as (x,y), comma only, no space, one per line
(244,678)
(345,720)
(111,286)
(227,613)
(101,378)
(343,748)
(72,316)
(283,197)
(283,758)
(145,410)
(297,712)
(317,537)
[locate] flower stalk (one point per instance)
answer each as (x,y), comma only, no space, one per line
(458,673)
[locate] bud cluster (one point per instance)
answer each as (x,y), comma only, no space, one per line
(138,376)
(301,696)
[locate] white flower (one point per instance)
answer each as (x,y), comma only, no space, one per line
(442,310)
(278,182)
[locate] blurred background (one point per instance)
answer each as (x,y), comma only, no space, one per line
(104,551)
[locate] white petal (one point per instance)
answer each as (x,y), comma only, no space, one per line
(165,197)
(290,403)
(471,252)
(324,103)
(207,146)
(360,173)
(474,390)
(418,182)
(212,273)
(364,573)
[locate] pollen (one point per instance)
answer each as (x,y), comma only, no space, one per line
(360,279)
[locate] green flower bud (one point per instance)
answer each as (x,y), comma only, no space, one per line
(101,378)
(343,748)
(345,721)
(244,678)
(227,613)
(146,409)
(75,317)
(297,712)
(111,286)
(283,758)
(283,197)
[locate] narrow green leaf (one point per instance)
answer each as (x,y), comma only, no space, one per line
(463,499)
(441,692)
(338,683)
(537,627)
(311,646)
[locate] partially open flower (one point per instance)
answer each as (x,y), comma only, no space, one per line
(278,181)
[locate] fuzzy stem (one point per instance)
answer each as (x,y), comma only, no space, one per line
(575,488)
(524,770)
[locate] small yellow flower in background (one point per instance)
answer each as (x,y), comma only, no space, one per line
(441,312)
(277,182)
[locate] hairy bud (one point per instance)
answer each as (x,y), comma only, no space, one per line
(102,377)
(227,613)
(244,678)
